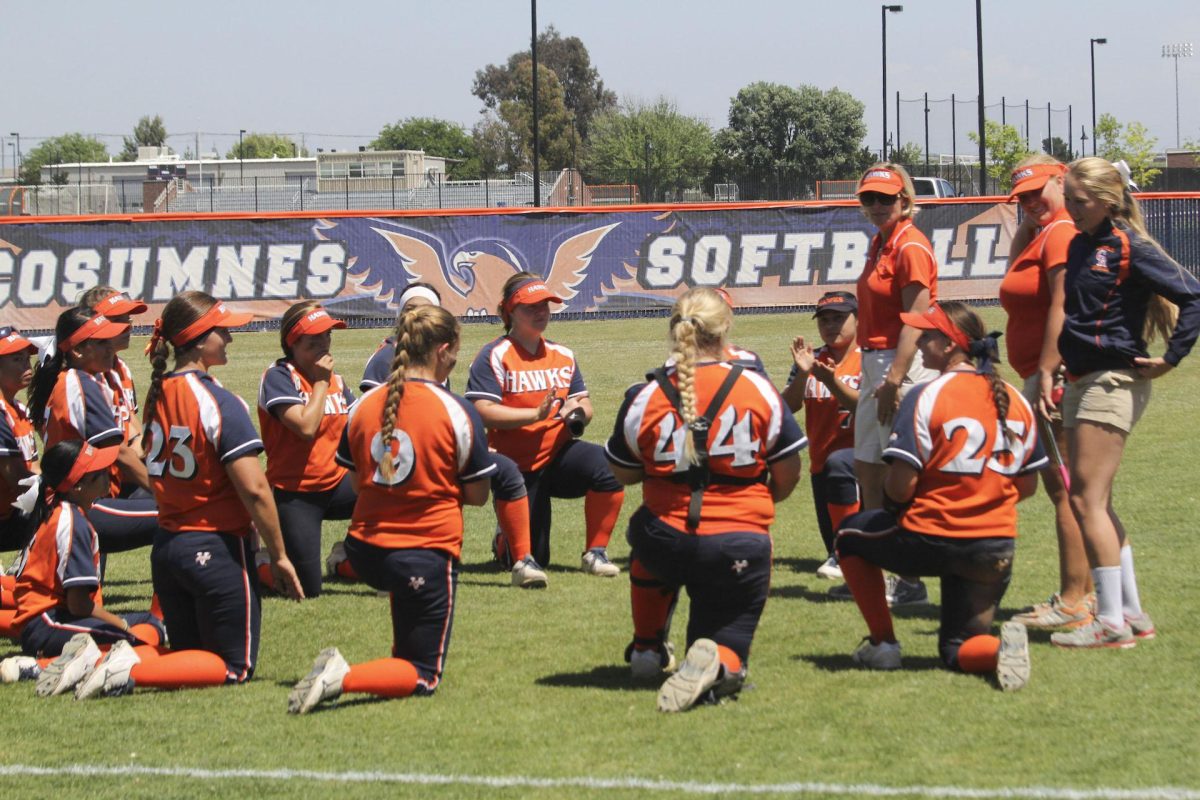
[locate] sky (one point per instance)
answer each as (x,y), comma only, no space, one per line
(333,74)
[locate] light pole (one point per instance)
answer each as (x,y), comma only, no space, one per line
(537,187)
(241,157)
(1094,42)
(1177,51)
(646,178)
(883,12)
(19,160)
(982,122)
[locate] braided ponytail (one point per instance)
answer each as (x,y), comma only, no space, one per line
(700,320)
(178,314)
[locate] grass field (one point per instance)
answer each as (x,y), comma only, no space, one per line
(537,702)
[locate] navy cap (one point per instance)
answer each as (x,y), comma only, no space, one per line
(837,301)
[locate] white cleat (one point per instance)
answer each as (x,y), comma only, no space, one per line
(697,674)
(595,562)
(528,575)
(78,658)
(1012,662)
(883,656)
(111,677)
(323,682)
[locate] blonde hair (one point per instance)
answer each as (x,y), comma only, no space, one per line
(419,333)
(1033,159)
(1102,180)
(908,203)
(91,297)
(179,313)
(700,320)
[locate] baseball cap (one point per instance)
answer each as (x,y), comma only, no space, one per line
(879,179)
(935,319)
(1033,177)
(837,301)
(533,291)
(119,303)
(314,322)
(12,341)
(98,327)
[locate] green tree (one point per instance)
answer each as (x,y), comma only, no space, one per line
(1006,147)
(495,144)
(653,142)
(909,155)
(793,134)
(266,145)
(437,137)
(555,130)
(70,148)
(1132,143)
(584,94)
(1058,148)
(149,132)
(1107,138)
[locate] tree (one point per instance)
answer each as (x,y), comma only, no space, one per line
(1107,138)
(1131,143)
(266,145)
(437,137)
(654,141)
(908,155)
(70,148)
(149,132)
(1006,147)
(555,131)
(1058,148)
(497,147)
(793,134)
(584,94)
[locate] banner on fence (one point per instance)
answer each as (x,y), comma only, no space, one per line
(608,262)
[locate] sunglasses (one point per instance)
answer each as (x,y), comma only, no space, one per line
(7,330)
(877,198)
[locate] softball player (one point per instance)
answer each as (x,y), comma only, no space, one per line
(302,406)
(18,445)
(509,496)
(825,383)
(527,390)
(964,450)
(419,455)
(711,480)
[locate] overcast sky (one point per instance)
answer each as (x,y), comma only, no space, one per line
(336,72)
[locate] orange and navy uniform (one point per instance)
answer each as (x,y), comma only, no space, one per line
(752,428)
(906,258)
(1025,292)
(120,381)
(504,372)
(198,427)
(379,365)
(948,431)
(64,553)
(830,426)
(438,444)
(17,440)
(294,464)
(81,406)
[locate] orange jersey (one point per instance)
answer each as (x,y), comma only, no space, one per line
(948,431)
(1025,292)
(81,407)
(438,445)
(906,258)
(830,426)
(16,441)
(64,553)
(751,429)
(504,372)
(293,464)
(198,427)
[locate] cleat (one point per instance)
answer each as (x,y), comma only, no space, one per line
(323,682)
(1141,625)
(528,575)
(830,570)
(840,592)
(904,593)
(1012,662)
(111,677)
(1096,634)
(648,665)
(1054,614)
(699,672)
(595,562)
(337,556)
(501,551)
(882,656)
(19,668)
(79,656)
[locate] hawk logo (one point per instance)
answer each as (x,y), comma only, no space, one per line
(203,557)
(416,582)
(740,565)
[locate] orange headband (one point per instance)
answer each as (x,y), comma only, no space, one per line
(98,327)
(315,321)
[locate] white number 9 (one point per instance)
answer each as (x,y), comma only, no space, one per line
(403,458)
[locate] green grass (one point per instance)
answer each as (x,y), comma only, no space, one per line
(535,685)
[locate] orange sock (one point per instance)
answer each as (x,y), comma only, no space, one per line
(729,659)
(866,582)
(651,601)
(383,677)
(6,624)
(180,669)
(513,516)
(156,607)
(147,633)
(346,570)
(837,513)
(978,654)
(600,512)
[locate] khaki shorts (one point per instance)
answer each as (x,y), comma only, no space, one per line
(1116,397)
(1032,391)
(870,438)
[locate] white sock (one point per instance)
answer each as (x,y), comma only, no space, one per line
(1108,596)
(1131,603)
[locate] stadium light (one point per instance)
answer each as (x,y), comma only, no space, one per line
(537,184)
(883,12)
(1094,42)
(1177,51)
(241,158)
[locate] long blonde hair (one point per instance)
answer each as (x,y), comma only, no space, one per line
(1102,180)
(700,320)
(419,333)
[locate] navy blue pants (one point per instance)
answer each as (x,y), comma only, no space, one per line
(835,484)
(727,577)
(422,584)
(974,572)
(47,634)
(300,518)
(578,468)
(208,589)
(125,523)
(507,482)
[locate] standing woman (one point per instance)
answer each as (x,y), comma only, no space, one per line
(1122,290)
(419,454)
(535,405)
(1032,294)
(302,405)
(715,448)
(900,277)
(18,445)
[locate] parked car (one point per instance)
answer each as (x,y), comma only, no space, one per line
(934,187)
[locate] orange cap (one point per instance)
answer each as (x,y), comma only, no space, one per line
(98,327)
(119,303)
(534,291)
(935,319)
(216,317)
(11,341)
(1035,176)
(884,181)
(90,459)
(314,322)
